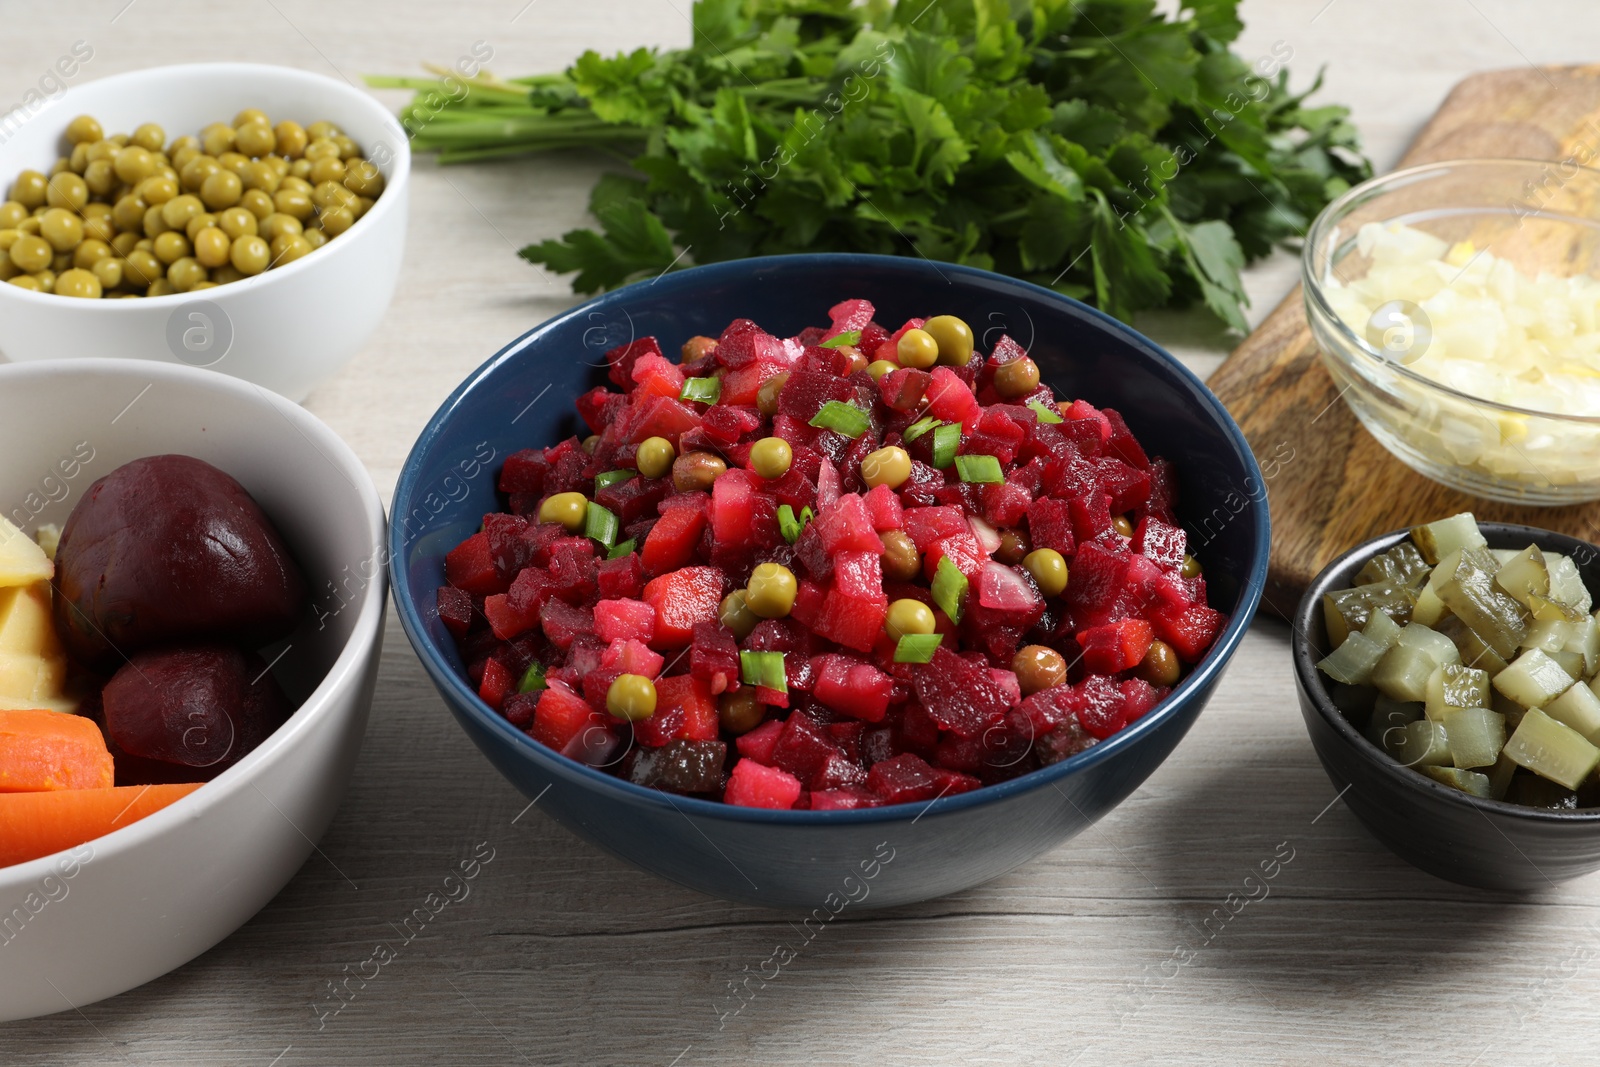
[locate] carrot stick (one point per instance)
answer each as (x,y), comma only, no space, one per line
(37,824)
(49,750)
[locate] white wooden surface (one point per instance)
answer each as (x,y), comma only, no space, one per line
(1097,953)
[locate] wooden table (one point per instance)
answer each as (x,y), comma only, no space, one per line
(1097,953)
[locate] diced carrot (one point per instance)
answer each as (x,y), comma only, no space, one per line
(48,750)
(37,824)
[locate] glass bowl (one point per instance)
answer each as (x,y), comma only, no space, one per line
(1540,218)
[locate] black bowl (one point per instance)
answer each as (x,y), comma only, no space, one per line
(1486,843)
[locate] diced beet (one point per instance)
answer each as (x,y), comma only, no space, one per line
(519,708)
(808,389)
(497,683)
(632,656)
(1049,708)
(1160,542)
(621,577)
(681,599)
(758,743)
(1116,646)
(926,525)
(1063,742)
(727,422)
(744,343)
(1126,487)
(850,621)
(952,400)
(959,695)
(847,735)
(597,407)
(690,765)
(1005,505)
(847,685)
(884,508)
(742,385)
(672,540)
(963,550)
(529,592)
(455,609)
(1082,410)
(1189,630)
(1099,706)
(714,656)
(660,416)
(506,621)
(848,316)
(619,620)
(595,685)
(663,726)
(633,498)
(903,388)
(847,799)
(847,526)
(752,785)
(623,357)
(507,547)
(1122,443)
(654,374)
(808,602)
(561,716)
(693,697)
(523,472)
(563,623)
(904,779)
(952,782)
(1138,697)
(1098,591)
(1163,491)
(803,747)
(470,566)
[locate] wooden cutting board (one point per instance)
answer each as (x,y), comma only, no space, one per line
(1330,485)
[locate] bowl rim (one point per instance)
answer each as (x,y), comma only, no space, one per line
(1310,682)
(1315,296)
(342,676)
(462,698)
(383,206)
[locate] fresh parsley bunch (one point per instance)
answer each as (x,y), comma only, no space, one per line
(1093,146)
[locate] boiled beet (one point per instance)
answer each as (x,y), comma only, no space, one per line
(201,708)
(169,549)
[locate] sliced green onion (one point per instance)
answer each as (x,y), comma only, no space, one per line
(532,678)
(949,588)
(624,549)
(916,648)
(601,524)
(611,478)
(979,468)
(789,525)
(946,439)
(764,669)
(1044,411)
(842,418)
(918,428)
(703,390)
(849,337)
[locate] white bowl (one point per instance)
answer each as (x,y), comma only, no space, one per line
(145,899)
(288,328)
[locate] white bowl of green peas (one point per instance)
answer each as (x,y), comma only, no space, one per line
(154,229)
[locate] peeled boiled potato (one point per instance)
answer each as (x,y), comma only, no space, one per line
(22,562)
(33,666)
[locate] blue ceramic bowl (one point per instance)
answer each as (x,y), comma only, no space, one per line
(524,397)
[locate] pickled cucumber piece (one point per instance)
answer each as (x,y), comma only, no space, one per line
(1476,736)
(1551,635)
(1465,582)
(1544,608)
(1387,727)
(1571,662)
(1429,610)
(1348,610)
(1352,662)
(1551,750)
(1526,575)
(1532,791)
(1566,584)
(1532,680)
(1500,776)
(1403,672)
(1402,565)
(1381,630)
(1456,686)
(1474,652)
(1587,643)
(1469,782)
(1427,745)
(1578,708)
(1437,540)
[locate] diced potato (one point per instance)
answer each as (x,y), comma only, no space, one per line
(1525,575)
(1352,662)
(1425,745)
(22,561)
(1438,539)
(1551,750)
(1429,610)
(1455,686)
(1476,736)
(1465,582)
(1403,672)
(1532,680)
(1500,776)
(1566,583)
(1469,782)
(1387,727)
(47,537)
(1474,652)
(1578,708)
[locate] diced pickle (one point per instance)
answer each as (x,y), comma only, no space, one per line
(1571,662)
(1387,727)
(1476,736)
(1429,610)
(1500,776)
(1532,680)
(1465,582)
(1348,610)
(1455,686)
(1437,540)
(1532,791)
(1524,576)
(1578,708)
(1381,630)
(1474,652)
(1401,565)
(1545,609)
(1470,782)
(1551,750)
(1587,643)
(1403,672)
(1425,745)
(1352,662)
(1551,635)
(1566,583)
